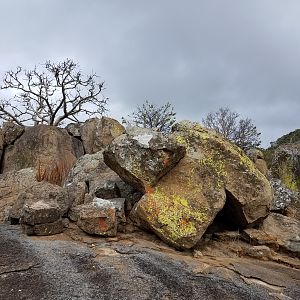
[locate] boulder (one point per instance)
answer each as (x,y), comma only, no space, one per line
(11,132)
(96,133)
(142,156)
(98,217)
(285,230)
(213,175)
(11,185)
(74,129)
(258,158)
(286,165)
(43,202)
(46,148)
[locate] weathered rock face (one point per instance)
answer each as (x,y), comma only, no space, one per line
(186,200)
(96,133)
(285,230)
(11,184)
(258,158)
(11,132)
(286,165)
(142,156)
(46,148)
(98,217)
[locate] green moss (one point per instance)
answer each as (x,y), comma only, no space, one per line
(174,214)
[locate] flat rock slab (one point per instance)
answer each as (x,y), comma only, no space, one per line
(40,269)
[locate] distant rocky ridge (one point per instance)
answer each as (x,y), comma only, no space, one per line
(180,186)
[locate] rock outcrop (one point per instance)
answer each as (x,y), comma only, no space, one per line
(142,156)
(213,175)
(48,149)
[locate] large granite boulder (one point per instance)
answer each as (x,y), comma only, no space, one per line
(96,133)
(213,175)
(46,148)
(142,156)
(11,185)
(286,165)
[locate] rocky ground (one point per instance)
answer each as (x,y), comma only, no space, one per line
(73,265)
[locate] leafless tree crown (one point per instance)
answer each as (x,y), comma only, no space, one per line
(240,131)
(58,93)
(151,116)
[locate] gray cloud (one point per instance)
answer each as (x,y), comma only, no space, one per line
(199,55)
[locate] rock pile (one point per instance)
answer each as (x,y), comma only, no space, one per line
(107,180)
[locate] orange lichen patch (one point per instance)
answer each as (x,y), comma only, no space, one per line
(103,225)
(149,190)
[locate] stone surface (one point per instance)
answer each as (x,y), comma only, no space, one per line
(11,132)
(142,156)
(46,148)
(186,200)
(98,217)
(286,231)
(1,142)
(52,269)
(286,165)
(74,129)
(96,133)
(11,184)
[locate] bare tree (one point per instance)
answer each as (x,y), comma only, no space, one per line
(58,93)
(151,116)
(240,131)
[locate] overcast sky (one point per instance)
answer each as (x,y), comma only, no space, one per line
(199,55)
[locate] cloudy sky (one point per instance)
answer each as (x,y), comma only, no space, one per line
(197,54)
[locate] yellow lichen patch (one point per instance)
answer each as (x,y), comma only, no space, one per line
(217,165)
(173,214)
(182,141)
